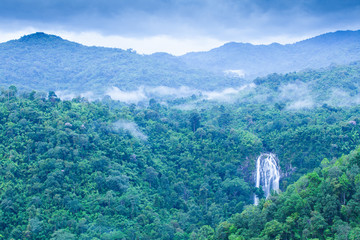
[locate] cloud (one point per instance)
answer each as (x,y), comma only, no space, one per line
(143,45)
(67,95)
(227,94)
(223,20)
(186,107)
(235,73)
(342,98)
(304,103)
(182,91)
(297,95)
(127,97)
(132,127)
(144,93)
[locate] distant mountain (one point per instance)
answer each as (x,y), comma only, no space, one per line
(47,62)
(340,47)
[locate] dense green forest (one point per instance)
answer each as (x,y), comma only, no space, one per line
(47,62)
(324,204)
(340,47)
(107,170)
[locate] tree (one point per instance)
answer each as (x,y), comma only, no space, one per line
(273,230)
(194,120)
(12,91)
(62,234)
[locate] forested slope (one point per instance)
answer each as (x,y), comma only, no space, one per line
(324,204)
(83,170)
(338,85)
(341,47)
(47,62)
(71,170)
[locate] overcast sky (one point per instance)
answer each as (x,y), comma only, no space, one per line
(177,26)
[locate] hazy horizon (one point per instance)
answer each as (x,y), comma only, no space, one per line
(103,41)
(177,26)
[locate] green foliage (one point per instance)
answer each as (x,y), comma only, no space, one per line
(51,63)
(71,169)
(321,205)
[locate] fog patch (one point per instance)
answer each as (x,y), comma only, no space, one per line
(182,91)
(342,98)
(89,95)
(162,93)
(127,97)
(235,73)
(294,91)
(186,107)
(131,127)
(297,95)
(67,95)
(305,103)
(144,93)
(226,95)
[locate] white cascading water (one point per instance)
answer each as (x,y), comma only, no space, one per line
(267,174)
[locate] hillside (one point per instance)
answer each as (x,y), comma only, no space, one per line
(335,86)
(323,204)
(46,62)
(340,47)
(83,170)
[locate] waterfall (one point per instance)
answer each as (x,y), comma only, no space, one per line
(267,174)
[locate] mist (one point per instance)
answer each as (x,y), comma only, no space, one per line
(227,94)
(67,95)
(144,93)
(297,96)
(342,98)
(131,127)
(127,97)
(219,20)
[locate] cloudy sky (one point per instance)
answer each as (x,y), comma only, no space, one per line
(177,26)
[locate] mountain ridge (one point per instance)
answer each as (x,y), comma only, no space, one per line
(339,47)
(328,35)
(48,62)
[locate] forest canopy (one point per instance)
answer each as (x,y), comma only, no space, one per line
(107,170)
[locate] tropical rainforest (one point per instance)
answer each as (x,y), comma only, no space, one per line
(107,170)
(46,62)
(180,167)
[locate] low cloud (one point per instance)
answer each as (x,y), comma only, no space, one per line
(164,91)
(127,97)
(220,18)
(294,91)
(67,95)
(145,45)
(145,93)
(186,107)
(226,95)
(342,98)
(235,73)
(131,127)
(296,95)
(305,103)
